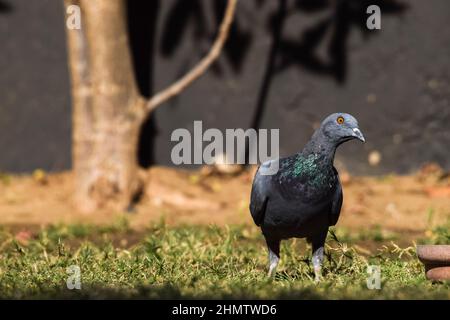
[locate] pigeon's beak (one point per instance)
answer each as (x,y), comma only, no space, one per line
(358,134)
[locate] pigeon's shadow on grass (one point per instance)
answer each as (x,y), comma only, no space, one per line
(161,292)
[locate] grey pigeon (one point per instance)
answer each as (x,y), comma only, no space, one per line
(304,197)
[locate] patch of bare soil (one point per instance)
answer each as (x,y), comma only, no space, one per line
(398,203)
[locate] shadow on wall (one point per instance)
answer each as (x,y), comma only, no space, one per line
(142,29)
(5,7)
(331,32)
(142,21)
(342,16)
(303,52)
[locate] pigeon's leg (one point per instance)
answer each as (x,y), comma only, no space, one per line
(318,243)
(274,255)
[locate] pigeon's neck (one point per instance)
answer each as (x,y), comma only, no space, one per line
(320,145)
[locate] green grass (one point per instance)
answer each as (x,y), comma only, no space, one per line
(200,262)
(437,235)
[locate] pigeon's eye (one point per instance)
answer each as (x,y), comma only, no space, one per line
(340,120)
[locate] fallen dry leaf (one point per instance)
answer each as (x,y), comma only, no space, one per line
(23,237)
(438,192)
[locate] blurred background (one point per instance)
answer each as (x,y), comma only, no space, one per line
(286,65)
(85,172)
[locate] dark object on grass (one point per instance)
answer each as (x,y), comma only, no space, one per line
(436,259)
(304,197)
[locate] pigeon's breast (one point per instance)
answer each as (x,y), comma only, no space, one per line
(305,180)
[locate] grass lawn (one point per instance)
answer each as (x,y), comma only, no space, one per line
(205,262)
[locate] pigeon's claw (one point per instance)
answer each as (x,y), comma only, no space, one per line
(317,274)
(317,258)
(273,262)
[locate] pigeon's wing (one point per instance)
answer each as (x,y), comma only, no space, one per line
(336,202)
(258,198)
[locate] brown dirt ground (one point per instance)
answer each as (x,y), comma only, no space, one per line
(397,203)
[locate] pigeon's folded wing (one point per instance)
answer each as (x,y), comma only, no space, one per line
(258,199)
(336,203)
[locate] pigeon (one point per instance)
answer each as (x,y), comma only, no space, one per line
(304,197)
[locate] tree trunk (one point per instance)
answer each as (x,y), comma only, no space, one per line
(105,98)
(107,109)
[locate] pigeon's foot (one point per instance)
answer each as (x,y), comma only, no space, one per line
(273,266)
(317,257)
(318,274)
(274,256)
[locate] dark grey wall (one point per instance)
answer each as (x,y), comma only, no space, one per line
(396,81)
(34,86)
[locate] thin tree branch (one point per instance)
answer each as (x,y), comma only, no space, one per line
(178,86)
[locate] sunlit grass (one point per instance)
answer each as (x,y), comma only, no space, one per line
(202,262)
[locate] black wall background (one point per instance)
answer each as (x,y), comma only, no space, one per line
(287,65)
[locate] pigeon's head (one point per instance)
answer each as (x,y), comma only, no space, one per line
(341,127)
